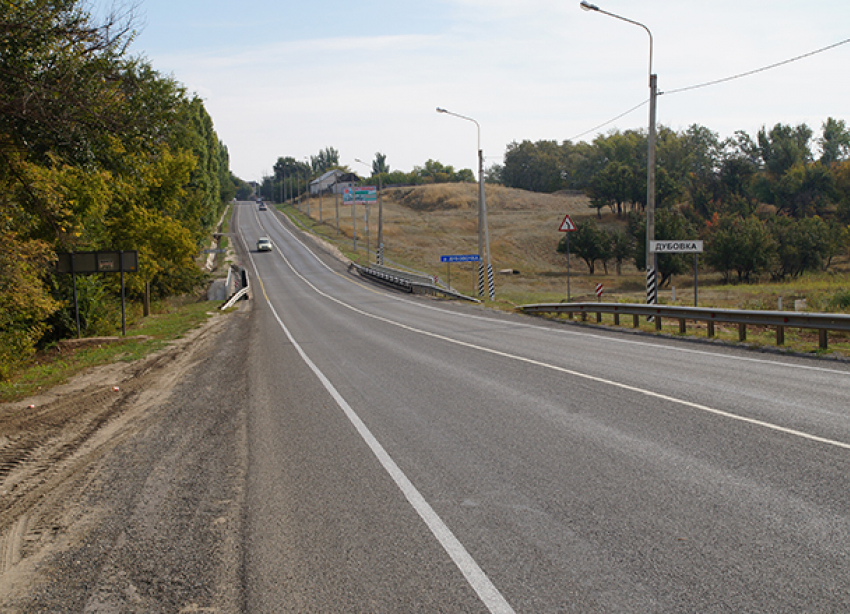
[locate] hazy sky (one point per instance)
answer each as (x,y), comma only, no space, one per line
(287,78)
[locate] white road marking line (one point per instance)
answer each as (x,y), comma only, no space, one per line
(586,376)
(475,576)
(580,333)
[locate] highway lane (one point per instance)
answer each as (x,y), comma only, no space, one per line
(577,470)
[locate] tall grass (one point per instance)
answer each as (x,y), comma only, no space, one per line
(170,320)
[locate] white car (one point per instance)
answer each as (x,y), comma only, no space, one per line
(264,244)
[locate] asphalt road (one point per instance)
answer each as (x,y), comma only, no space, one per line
(412,455)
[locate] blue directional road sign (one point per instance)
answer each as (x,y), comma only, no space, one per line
(461,258)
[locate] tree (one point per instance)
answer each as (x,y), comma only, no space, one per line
(243,189)
(622,248)
(611,187)
(783,147)
(743,245)
(25,299)
(735,180)
(61,77)
(325,161)
(588,242)
(379,165)
(805,189)
(669,225)
(802,245)
(434,171)
(834,141)
(493,174)
(841,175)
(97,151)
(537,167)
(292,174)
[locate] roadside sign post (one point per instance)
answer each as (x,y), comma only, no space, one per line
(681,247)
(364,194)
(458,258)
(568,226)
(98,262)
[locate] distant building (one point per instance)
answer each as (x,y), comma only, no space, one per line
(333,182)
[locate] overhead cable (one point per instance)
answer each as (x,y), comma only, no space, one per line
(716,82)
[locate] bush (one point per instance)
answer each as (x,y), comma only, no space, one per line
(840,301)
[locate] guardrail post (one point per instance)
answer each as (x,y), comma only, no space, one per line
(820,322)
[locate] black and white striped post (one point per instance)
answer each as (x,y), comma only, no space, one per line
(687,246)
(651,286)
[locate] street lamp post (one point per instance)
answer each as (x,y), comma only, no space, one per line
(380,253)
(483,235)
(651,257)
(307,184)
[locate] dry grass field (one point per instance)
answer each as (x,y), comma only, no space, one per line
(423,223)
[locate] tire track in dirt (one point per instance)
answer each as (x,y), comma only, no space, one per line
(48,453)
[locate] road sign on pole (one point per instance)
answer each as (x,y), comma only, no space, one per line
(681,247)
(676,247)
(567,225)
(448,259)
(362,194)
(461,258)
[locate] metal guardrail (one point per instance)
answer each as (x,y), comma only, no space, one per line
(406,277)
(822,322)
(237,286)
(409,282)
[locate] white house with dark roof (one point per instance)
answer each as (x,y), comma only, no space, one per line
(333,182)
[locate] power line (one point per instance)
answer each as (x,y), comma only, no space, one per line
(716,82)
(758,70)
(610,121)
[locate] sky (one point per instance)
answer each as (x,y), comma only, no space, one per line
(291,78)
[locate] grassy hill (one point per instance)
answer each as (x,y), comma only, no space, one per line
(424,222)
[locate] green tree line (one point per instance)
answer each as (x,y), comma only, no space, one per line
(98,151)
(291,177)
(777,203)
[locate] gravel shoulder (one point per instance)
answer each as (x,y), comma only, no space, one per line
(121,491)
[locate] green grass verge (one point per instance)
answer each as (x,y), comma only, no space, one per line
(49,368)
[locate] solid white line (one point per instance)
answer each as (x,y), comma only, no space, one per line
(601,380)
(654,346)
(475,576)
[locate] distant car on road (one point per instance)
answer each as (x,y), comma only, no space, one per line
(264,244)
(263,207)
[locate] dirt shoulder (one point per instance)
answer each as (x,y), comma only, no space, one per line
(55,451)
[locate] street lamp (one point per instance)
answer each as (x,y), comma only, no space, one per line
(307,183)
(651,257)
(380,255)
(483,235)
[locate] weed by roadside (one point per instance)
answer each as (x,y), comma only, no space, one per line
(171,320)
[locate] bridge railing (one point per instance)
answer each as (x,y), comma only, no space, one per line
(780,320)
(407,281)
